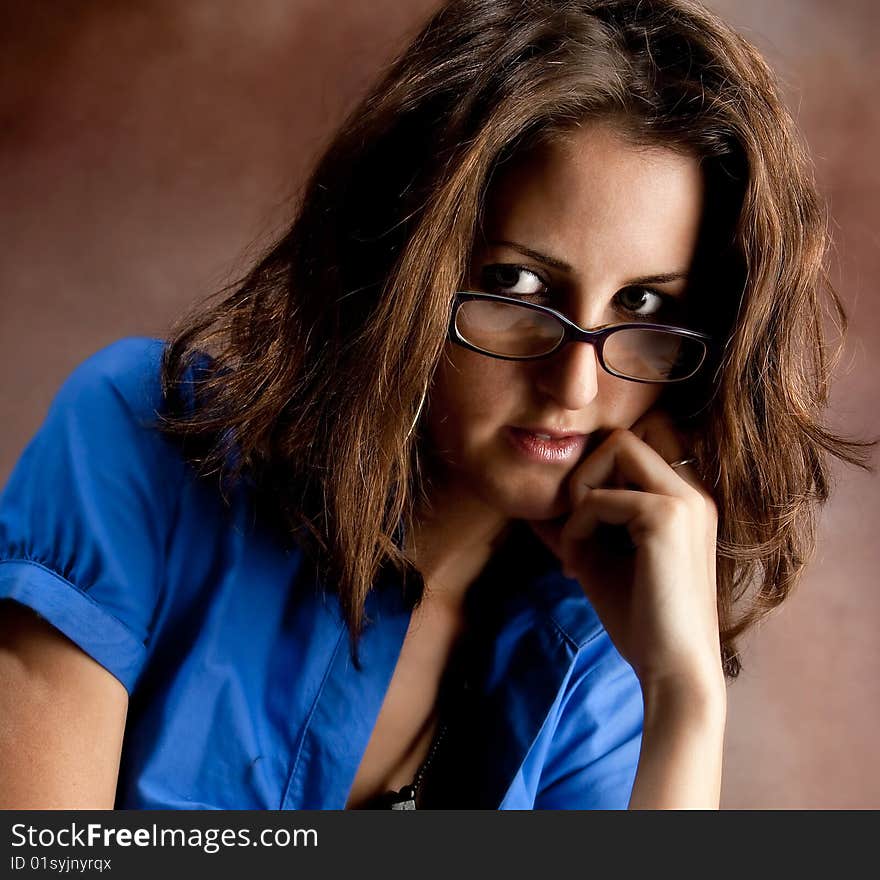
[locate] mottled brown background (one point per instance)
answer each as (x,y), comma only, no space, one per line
(144,147)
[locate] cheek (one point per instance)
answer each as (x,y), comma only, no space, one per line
(470,402)
(473,394)
(632,401)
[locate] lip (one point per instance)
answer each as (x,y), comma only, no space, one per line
(554,434)
(559,449)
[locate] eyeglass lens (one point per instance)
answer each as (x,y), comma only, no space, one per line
(511,330)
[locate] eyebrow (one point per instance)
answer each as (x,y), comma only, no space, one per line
(562,266)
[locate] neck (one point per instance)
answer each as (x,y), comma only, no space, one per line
(452,539)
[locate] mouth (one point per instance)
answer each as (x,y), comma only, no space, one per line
(550,433)
(546,445)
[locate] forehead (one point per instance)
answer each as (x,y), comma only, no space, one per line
(594,198)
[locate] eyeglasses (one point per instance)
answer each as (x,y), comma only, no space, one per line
(506,328)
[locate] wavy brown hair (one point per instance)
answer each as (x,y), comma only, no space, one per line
(320,357)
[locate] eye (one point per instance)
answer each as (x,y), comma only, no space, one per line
(511,280)
(643,303)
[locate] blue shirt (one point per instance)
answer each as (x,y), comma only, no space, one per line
(242,690)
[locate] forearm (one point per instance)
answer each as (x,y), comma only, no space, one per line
(681,755)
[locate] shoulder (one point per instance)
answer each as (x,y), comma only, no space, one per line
(127,371)
(86,513)
(105,419)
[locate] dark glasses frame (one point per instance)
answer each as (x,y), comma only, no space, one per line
(571,333)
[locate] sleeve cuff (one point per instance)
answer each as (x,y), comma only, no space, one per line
(101,635)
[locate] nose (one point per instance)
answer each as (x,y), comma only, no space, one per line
(571,376)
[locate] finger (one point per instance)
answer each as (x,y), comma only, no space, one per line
(640,513)
(660,431)
(638,463)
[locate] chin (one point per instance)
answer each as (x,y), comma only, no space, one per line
(548,500)
(537,511)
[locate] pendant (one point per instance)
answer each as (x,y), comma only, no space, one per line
(405,799)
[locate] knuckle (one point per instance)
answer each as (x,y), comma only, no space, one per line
(672,509)
(704,504)
(622,438)
(695,499)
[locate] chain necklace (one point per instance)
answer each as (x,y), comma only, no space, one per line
(405,799)
(450,700)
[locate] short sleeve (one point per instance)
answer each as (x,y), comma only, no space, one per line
(595,748)
(86,513)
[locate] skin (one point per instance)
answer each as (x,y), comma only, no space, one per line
(612,212)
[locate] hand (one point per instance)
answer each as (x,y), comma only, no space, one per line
(657,600)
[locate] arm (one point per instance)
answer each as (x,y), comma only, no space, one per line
(85,522)
(62,717)
(656,595)
(682,742)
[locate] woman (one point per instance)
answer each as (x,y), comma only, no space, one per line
(463,496)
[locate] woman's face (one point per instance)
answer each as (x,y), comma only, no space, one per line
(604,232)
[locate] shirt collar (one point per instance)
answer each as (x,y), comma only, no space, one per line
(527,624)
